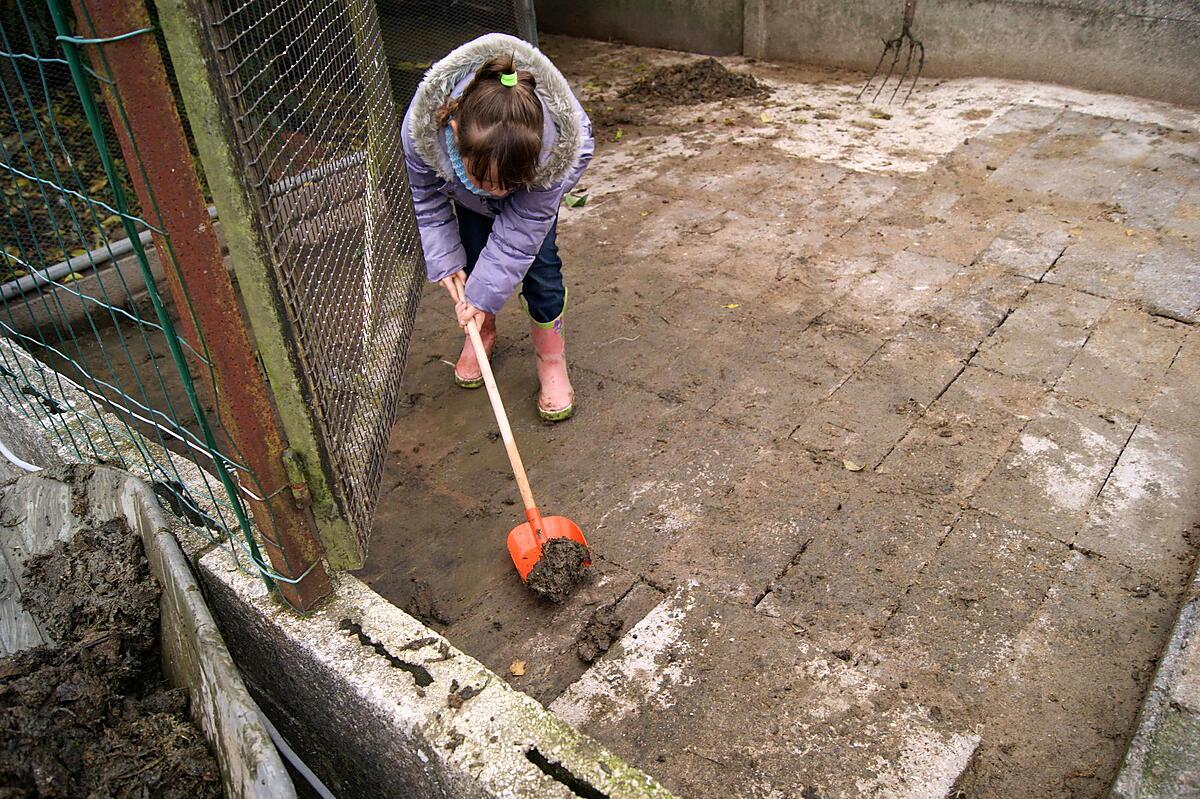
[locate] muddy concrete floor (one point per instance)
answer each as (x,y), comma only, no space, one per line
(887,444)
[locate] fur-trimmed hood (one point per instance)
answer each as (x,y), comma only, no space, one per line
(562,137)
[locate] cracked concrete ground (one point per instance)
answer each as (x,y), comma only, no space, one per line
(888,440)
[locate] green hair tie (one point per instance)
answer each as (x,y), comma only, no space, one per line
(509,79)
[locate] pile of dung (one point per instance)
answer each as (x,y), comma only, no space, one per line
(687,84)
(601,632)
(94,716)
(560,569)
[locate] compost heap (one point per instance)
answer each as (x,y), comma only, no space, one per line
(93,716)
(687,84)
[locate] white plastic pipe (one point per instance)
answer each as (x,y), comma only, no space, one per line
(293,758)
(15,461)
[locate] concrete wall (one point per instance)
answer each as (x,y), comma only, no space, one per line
(699,26)
(380,705)
(1149,48)
(1139,47)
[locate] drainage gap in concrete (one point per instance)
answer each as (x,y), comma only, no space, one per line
(420,674)
(559,773)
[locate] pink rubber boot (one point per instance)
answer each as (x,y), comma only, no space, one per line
(467,373)
(556,400)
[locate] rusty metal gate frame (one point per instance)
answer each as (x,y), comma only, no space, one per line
(293,111)
(320,227)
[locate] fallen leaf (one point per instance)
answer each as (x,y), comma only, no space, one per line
(877,114)
(575,200)
(732,305)
(1130,232)
(852,466)
(766,117)
(517,669)
(618,135)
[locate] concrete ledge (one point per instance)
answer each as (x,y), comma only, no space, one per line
(1163,759)
(378,704)
(52,505)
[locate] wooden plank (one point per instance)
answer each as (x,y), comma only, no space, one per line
(18,630)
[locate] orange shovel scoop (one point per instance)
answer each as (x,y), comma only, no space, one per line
(526,541)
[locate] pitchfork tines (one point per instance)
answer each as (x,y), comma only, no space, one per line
(896,48)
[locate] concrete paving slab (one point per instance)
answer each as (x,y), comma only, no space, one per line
(875,407)
(969,306)
(1124,359)
(760,526)
(1147,198)
(1029,246)
(1103,260)
(1040,338)
(1145,514)
(957,623)
(1096,626)
(1049,170)
(901,285)
(964,433)
(836,588)
(728,702)
(654,489)
(1168,282)
(1059,462)
(1173,406)
(801,370)
(965,233)
(1185,220)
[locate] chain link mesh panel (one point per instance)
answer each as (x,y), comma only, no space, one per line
(307,87)
(316,92)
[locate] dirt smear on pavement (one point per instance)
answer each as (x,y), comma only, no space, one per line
(93,716)
(600,632)
(688,84)
(559,570)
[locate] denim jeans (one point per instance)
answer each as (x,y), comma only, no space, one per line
(542,289)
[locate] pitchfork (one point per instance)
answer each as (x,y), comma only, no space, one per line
(896,47)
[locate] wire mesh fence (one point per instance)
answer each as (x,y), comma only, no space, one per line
(316,92)
(119,371)
(318,137)
(89,347)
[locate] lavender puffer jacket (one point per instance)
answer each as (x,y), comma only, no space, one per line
(523,218)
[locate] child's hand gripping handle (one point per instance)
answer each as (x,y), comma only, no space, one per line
(510,444)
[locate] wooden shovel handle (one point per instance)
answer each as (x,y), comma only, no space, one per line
(510,444)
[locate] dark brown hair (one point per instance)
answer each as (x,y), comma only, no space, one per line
(499,127)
